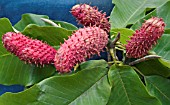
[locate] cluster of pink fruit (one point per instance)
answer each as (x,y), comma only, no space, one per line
(84,43)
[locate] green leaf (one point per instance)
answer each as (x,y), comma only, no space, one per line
(154,67)
(5,26)
(124,34)
(52,35)
(159,87)
(14,71)
(126,12)
(87,87)
(138,24)
(162,12)
(30,19)
(163,47)
(167,31)
(36,19)
(66,25)
(92,64)
(127,88)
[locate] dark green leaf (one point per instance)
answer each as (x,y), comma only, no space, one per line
(15,71)
(87,87)
(30,19)
(163,47)
(127,12)
(159,87)
(154,67)
(162,12)
(52,35)
(93,64)
(167,31)
(127,88)
(5,26)
(36,19)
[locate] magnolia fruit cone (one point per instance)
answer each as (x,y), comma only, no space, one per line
(28,50)
(144,38)
(84,43)
(90,16)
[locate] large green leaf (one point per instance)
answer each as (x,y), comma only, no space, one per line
(127,12)
(36,19)
(159,87)
(52,35)
(87,87)
(124,34)
(163,47)
(14,71)
(154,67)
(163,12)
(127,88)
(5,26)
(30,19)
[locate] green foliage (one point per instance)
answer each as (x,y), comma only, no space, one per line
(89,87)
(14,71)
(30,19)
(95,82)
(5,26)
(36,19)
(127,88)
(159,87)
(129,11)
(162,48)
(161,11)
(52,35)
(124,32)
(154,67)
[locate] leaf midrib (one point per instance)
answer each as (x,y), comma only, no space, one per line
(7,54)
(134,14)
(124,88)
(87,89)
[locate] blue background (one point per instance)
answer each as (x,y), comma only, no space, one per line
(55,9)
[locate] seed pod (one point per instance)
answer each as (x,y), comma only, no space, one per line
(90,16)
(144,38)
(82,44)
(28,50)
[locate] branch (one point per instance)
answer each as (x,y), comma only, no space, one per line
(144,59)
